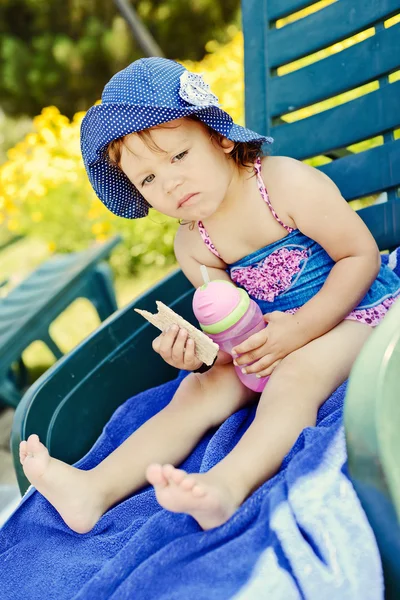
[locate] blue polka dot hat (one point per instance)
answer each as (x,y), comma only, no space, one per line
(149,92)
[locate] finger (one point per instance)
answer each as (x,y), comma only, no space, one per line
(260,365)
(179,345)
(189,357)
(270,370)
(253,342)
(276,314)
(249,357)
(156,344)
(167,341)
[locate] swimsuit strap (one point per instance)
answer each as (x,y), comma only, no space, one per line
(264,194)
(207,239)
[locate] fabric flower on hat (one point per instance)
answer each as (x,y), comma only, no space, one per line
(196,91)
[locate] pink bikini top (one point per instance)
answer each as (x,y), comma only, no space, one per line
(264,195)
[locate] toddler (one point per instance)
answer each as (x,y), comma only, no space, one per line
(275,227)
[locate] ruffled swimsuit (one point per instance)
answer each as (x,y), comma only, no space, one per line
(286,274)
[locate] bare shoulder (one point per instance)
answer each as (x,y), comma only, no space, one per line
(292,185)
(191,252)
(289,173)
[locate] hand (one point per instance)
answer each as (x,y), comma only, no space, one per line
(177,349)
(266,348)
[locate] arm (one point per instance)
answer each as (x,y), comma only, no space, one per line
(321,213)
(190,253)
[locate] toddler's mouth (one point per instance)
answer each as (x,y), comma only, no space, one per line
(186,199)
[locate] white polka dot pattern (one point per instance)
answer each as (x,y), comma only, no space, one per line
(144,94)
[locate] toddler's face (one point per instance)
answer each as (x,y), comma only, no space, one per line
(187,177)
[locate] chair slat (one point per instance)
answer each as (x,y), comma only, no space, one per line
(325,27)
(281,8)
(368,172)
(383,221)
(364,62)
(341,126)
(255,65)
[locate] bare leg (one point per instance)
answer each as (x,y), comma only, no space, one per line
(289,403)
(81,497)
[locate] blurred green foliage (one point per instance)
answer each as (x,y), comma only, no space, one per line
(12,130)
(62,52)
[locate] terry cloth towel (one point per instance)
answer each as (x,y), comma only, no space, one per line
(301,535)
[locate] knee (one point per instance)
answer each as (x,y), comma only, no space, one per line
(296,372)
(202,383)
(291,392)
(297,387)
(189,387)
(193,390)
(218,393)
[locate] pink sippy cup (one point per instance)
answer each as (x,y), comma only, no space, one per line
(228,316)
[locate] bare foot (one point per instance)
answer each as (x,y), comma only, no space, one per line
(198,495)
(68,489)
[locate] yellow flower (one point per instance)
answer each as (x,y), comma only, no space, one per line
(100,228)
(48,136)
(12,225)
(31,139)
(9,206)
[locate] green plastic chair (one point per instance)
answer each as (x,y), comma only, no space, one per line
(4,243)
(27,312)
(70,404)
(372,420)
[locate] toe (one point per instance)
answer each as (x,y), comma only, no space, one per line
(198,491)
(22,452)
(178,476)
(33,443)
(155,475)
(188,483)
(168,471)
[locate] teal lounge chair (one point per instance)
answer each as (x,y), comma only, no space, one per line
(27,312)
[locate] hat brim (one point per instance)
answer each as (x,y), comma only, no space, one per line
(104,123)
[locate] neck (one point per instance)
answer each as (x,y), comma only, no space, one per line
(237,188)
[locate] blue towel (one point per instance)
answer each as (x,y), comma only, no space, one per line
(301,535)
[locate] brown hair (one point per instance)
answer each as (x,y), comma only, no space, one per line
(243,153)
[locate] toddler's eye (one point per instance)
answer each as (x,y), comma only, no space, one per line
(148,179)
(181,155)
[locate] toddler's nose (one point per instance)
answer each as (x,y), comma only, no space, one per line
(171,184)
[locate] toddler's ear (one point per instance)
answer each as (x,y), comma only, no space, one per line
(227,145)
